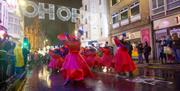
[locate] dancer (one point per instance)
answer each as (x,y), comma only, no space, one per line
(92,58)
(107,58)
(123,62)
(56,61)
(74,67)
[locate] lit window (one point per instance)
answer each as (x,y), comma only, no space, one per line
(115,18)
(157,3)
(135,9)
(124,14)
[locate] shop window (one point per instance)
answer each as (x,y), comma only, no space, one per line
(114,2)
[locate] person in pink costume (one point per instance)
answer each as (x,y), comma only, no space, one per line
(74,67)
(56,61)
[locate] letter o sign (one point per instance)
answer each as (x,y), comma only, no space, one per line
(63,9)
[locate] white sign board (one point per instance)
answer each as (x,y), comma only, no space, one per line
(167,22)
(40,10)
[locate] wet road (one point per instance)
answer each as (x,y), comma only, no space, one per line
(40,79)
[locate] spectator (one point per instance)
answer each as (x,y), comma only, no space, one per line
(147,52)
(162,54)
(130,48)
(176,47)
(140,52)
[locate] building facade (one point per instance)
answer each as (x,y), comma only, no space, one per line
(165,16)
(14,27)
(35,35)
(3,15)
(10,20)
(131,18)
(93,20)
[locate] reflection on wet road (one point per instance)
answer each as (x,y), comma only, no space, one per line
(40,79)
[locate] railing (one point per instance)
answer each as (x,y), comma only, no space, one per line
(158,10)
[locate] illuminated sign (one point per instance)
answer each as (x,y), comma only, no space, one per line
(41,11)
(167,22)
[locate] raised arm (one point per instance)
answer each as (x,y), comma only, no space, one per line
(117,42)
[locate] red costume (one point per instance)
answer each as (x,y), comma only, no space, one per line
(56,61)
(107,58)
(74,66)
(92,58)
(123,62)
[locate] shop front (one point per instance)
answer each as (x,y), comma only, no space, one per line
(164,29)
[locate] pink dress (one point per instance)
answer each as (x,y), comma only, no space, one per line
(56,61)
(74,66)
(123,62)
(107,58)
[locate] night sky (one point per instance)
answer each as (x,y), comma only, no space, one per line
(51,28)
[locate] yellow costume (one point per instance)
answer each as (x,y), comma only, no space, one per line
(19,56)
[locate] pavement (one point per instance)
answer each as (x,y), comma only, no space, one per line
(160,66)
(40,79)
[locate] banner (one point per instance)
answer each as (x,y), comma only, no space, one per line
(145,35)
